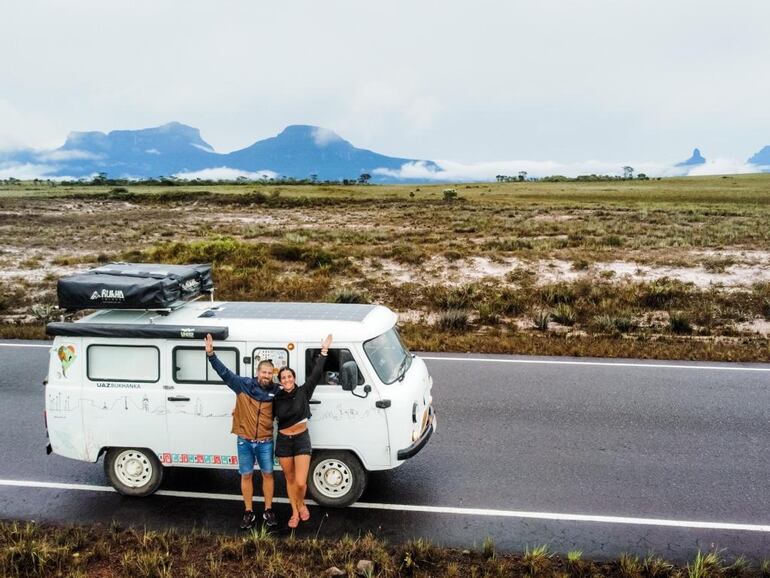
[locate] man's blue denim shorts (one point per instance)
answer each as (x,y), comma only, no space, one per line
(250,452)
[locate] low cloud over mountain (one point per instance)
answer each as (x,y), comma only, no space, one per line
(302,152)
(299,151)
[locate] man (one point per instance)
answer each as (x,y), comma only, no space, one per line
(253,424)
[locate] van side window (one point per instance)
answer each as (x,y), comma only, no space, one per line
(191,366)
(140,363)
(279,357)
(334,363)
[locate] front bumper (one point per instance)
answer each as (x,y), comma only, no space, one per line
(413,449)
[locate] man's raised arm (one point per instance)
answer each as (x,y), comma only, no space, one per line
(233,381)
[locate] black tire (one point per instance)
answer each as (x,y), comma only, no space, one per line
(336,478)
(133,471)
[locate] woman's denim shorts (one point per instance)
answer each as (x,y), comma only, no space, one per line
(296,445)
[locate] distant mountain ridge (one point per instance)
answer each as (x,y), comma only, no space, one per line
(762,158)
(299,151)
(695,159)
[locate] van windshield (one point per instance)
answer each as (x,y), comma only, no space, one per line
(391,360)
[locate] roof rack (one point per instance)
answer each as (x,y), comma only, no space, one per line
(218,332)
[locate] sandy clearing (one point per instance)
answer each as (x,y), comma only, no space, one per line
(472,269)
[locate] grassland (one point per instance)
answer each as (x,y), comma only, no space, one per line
(675,268)
(28,549)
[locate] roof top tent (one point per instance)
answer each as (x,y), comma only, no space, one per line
(134,286)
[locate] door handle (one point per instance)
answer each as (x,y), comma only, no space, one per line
(314,401)
(178,398)
(382,404)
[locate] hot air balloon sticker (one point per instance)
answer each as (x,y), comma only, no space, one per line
(67,357)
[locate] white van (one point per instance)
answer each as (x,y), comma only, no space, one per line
(135,385)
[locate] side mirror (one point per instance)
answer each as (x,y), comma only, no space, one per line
(349,376)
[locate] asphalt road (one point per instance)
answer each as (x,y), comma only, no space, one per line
(648,451)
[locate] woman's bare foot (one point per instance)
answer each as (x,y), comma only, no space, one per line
(304,513)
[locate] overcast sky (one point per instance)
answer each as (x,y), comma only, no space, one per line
(470,82)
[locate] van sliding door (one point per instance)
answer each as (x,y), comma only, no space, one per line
(200,406)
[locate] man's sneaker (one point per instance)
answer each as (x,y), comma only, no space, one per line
(269,517)
(248,520)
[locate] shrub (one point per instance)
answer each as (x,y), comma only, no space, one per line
(564,314)
(662,292)
(511,302)
(313,257)
(488,314)
(625,323)
(537,560)
(764,308)
(657,567)
(580,265)
(449,194)
(287,251)
(452,255)
(603,323)
(629,566)
(460,297)
(707,315)
(612,241)
(557,293)
(221,250)
(349,296)
(541,318)
(761,294)
(453,320)
(11,297)
(679,322)
(407,253)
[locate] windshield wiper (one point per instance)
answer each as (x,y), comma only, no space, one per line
(401,367)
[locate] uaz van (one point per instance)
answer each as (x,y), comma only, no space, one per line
(135,386)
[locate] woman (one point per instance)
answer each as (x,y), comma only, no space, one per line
(291,407)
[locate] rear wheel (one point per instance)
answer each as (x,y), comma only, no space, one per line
(133,471)
(337,479)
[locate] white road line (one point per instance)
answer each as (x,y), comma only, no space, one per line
(431,509)
(24,345)
(599,363)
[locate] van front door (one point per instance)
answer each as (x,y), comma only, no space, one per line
(200,406)
(347,420)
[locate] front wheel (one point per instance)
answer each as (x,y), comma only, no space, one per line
(337,479)
(133,471)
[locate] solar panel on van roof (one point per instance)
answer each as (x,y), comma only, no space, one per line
(316,311)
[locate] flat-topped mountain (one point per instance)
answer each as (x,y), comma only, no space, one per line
(298,151)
